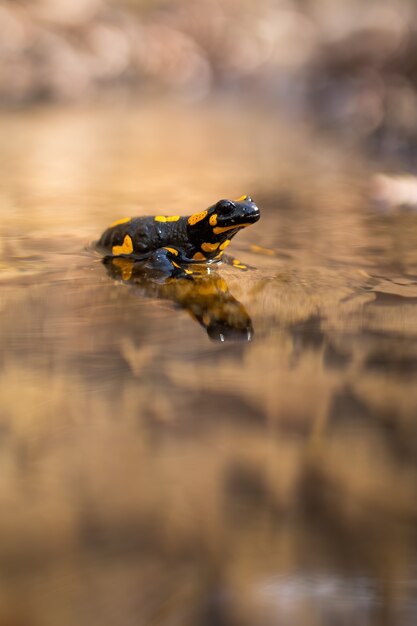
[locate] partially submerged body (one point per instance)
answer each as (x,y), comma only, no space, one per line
(170,243)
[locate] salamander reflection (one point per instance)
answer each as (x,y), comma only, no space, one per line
(205,296)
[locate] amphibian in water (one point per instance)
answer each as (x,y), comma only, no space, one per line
(168,243)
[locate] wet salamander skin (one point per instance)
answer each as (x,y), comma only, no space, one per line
(174,241)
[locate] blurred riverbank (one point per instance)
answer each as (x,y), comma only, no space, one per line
(349,67)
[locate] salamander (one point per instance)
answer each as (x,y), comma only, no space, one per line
(171,243)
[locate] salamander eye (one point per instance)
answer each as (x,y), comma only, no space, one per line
(225,207)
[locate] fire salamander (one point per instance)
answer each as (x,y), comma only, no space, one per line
(171,244)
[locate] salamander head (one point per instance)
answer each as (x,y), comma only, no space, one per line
(211,230)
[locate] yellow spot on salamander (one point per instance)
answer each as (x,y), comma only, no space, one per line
(213,220)
(209,247)
(262,250)
(222,285)
(207,289)
(175,264)
(126,266)
(166,218)
(172,250)
(199,257)
(125,248)
(124,220)
(197,217)
(224,245)
(213,287)
(222,229)
(239,265)
(241,199)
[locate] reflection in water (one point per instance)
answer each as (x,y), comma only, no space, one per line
(204,294)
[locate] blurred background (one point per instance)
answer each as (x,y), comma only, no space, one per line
(349,65)
(148,475)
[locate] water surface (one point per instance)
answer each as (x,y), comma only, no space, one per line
(149,475)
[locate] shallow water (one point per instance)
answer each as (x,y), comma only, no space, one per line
(149,475)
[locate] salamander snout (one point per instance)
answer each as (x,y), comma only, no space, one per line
(250,211)
(238,213)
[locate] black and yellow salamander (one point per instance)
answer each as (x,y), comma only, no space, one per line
(168,244)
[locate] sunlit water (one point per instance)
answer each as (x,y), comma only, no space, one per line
(149,475)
